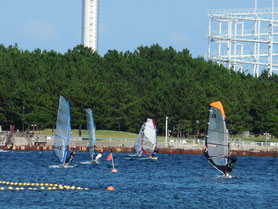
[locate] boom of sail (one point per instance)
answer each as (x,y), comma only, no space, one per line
(62,132)
(146,140)
(217,140)
(91,131)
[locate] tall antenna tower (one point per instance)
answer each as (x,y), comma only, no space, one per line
(244,38)
(90,24)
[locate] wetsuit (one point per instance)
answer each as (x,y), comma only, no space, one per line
(99,155)
(70,158)
(232,161)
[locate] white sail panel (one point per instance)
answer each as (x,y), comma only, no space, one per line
(91,131)
(147,139)
(62,132)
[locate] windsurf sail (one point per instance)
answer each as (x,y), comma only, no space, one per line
(217,139)
(91,132)
(146,140)
(62,132)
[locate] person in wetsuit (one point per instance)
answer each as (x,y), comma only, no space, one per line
(231,164)
(99,155)
(153,156)
(70,158)
(205,152)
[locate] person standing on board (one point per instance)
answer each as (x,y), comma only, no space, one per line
(153,156)
(69,159)
(206,153)
(99,155)
(231,164)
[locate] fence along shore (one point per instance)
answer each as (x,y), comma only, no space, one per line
(172,146)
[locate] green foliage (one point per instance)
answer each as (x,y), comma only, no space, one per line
(123,89)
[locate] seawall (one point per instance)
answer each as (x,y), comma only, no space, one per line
(131,150)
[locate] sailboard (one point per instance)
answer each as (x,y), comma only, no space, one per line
(91,132)
(217,139)
(147,139)
(62,132)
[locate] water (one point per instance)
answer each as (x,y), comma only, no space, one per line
(172,181)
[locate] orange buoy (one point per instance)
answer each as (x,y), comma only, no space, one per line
(110,188)
(114,170)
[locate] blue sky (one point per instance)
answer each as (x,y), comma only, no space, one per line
(123,24)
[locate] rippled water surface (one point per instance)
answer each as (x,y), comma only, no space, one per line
(172,181)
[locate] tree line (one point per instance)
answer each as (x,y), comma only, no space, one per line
(123,89)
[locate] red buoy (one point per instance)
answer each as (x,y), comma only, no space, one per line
(110,188)
(114,170)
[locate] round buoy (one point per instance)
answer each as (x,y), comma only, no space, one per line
(21,188)
(2,188)
(19,183)
(42,188)
(110,188)
(10,188)
(46,184)
(30,188)
(114,170)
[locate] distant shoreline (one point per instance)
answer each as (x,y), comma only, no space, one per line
(122,149)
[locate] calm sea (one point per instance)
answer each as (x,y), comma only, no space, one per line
(172,181)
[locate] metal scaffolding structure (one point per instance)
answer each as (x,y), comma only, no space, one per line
(244,39)
(90,24)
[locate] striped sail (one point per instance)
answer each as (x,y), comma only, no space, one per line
(217,139)
(146,140)
(139,140)
(91,131)
(62,132)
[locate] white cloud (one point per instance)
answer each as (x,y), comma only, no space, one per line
(38,30)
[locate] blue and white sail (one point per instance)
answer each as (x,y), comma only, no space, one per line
(147,139)
(91,132)
(62,132)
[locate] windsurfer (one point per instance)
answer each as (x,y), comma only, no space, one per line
(99,155)
(206,153)
(231,164)
(69,159)
(153,156)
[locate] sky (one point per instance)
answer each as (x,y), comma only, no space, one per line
(124,25)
